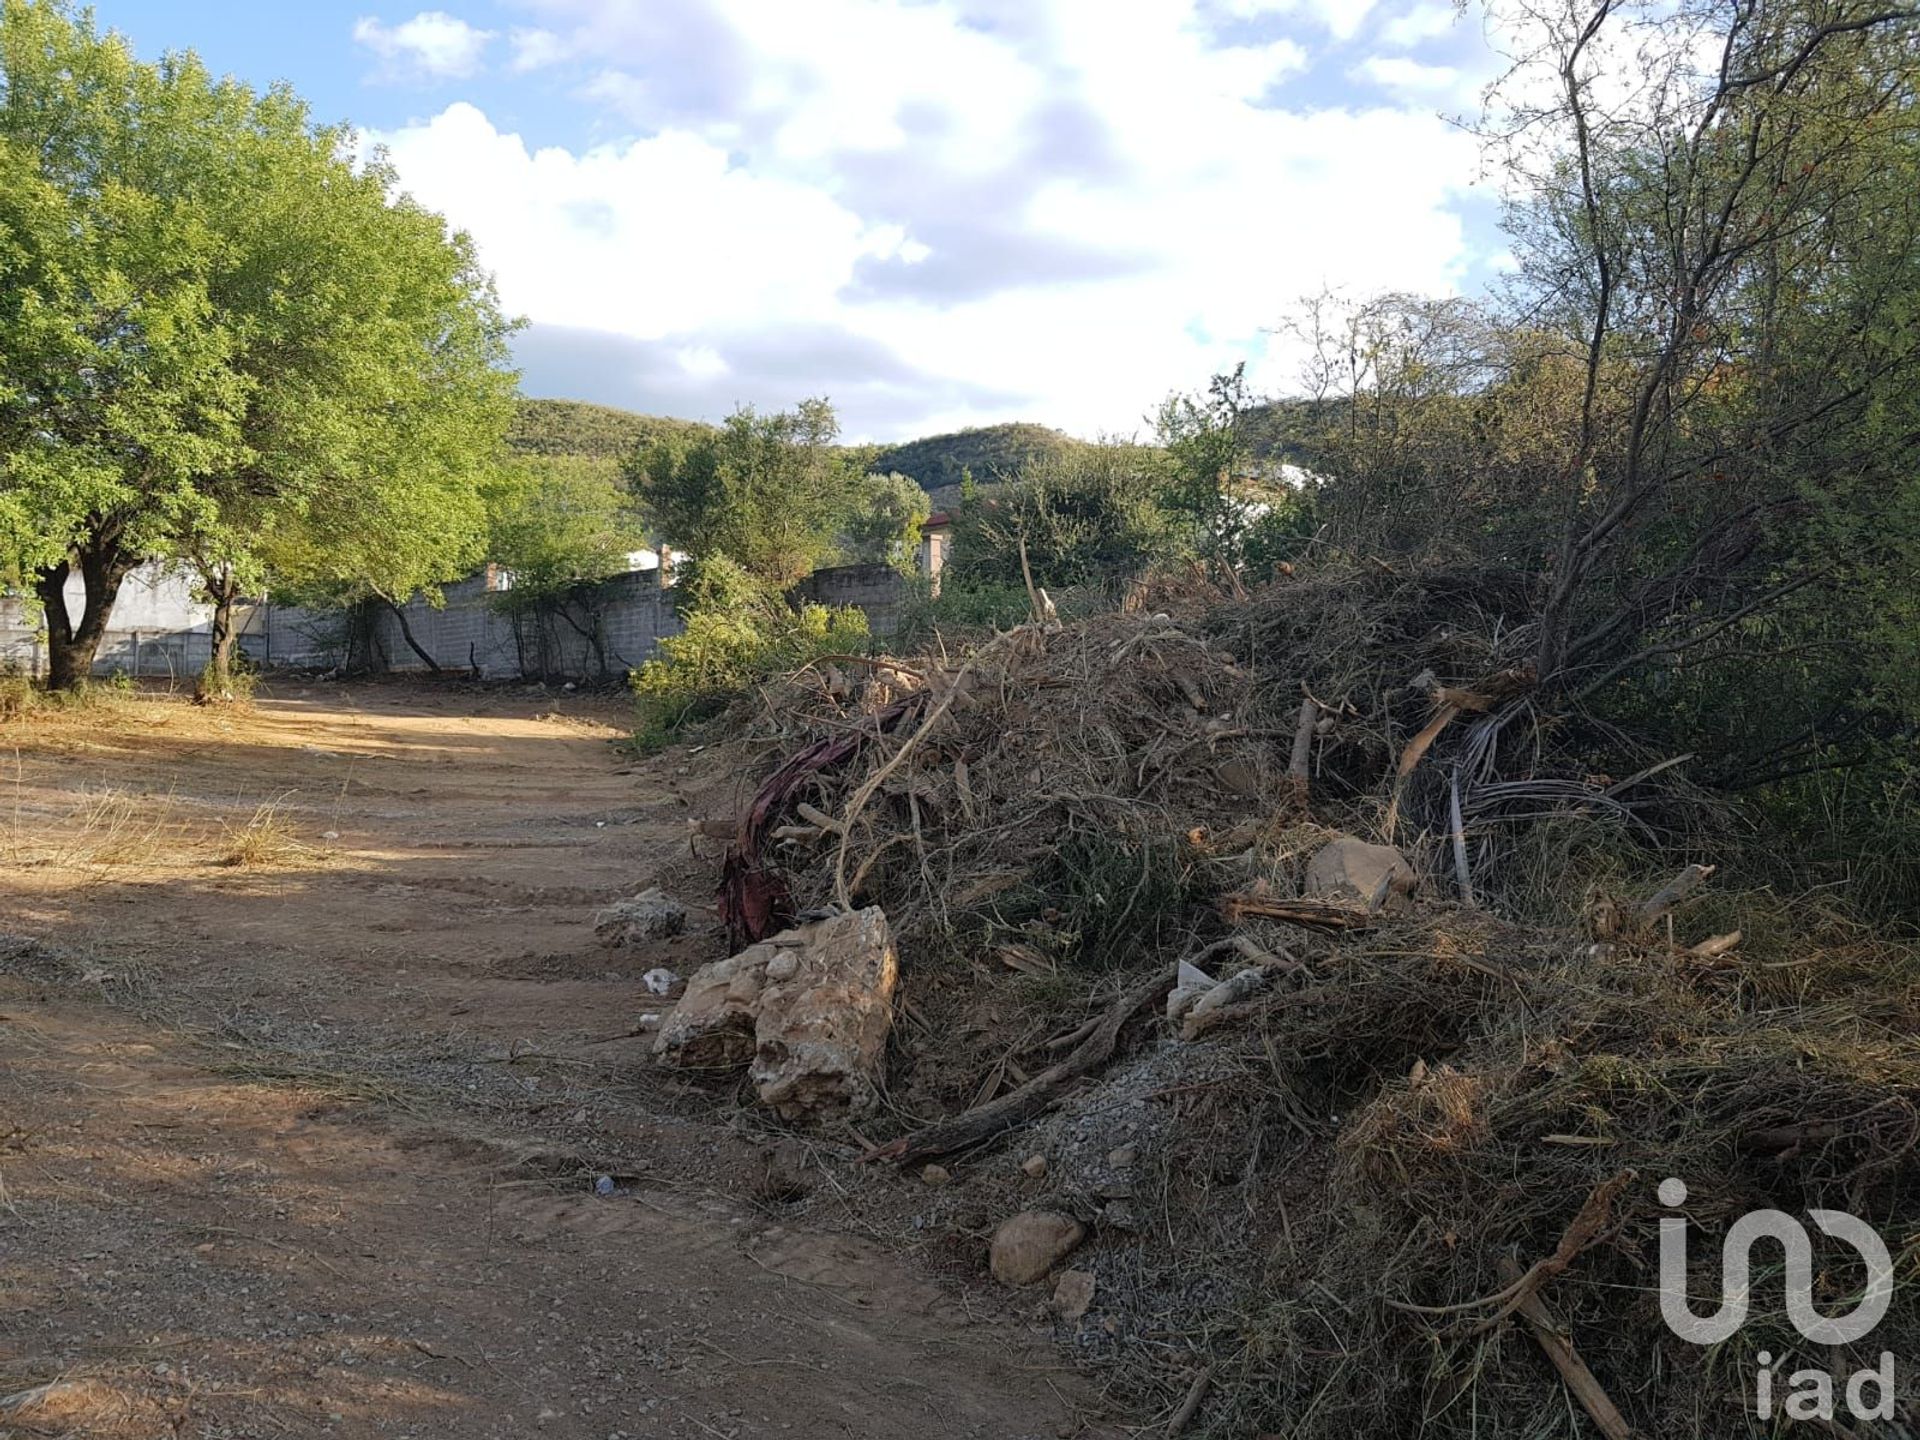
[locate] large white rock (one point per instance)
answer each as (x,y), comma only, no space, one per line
(821,1035)
(808,1009)
(712,1026)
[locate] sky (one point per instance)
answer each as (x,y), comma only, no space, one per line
(937,213)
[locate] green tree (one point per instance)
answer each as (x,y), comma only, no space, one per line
(768,492)
(1731,250)
(561,525)
(883,526)
(217,331)
(1206,485)
(1690,424)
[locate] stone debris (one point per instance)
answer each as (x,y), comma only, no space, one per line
(1352,870)
(1110,1143)
(808,1010)
(651,915)
(1028,1245)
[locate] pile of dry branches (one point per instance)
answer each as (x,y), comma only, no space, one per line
(1090,764)
(1435,1175)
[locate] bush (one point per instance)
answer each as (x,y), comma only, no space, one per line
(737,634)
(1090,518)
(236,689)
(979,607)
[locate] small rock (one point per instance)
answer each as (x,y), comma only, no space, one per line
(1028,1245)
(603,1186)
(1123,1157)
(1035,1165)
(659,981)
(785,1174)
(936,1175)
(1072,1294)
(783,966)
(1350,869)
(650,915)
(1239,776)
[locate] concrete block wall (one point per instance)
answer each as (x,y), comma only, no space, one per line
(469,630)
(157,628)
(879,590)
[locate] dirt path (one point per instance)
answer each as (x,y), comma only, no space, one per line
(306,1073)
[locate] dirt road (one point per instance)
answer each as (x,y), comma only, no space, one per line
(309,1059)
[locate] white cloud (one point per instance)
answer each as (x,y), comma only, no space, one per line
(535,49)
(938,220)
(1341,18)
(432,45)
(1248,71)
(649,238)
(1428,20)
(1396,72)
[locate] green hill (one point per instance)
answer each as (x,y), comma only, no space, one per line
(988,453)
(1290,430)
(603,433)
(573,427)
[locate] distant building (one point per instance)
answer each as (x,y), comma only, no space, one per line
(936,542)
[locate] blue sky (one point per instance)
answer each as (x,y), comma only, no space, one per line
(938,213)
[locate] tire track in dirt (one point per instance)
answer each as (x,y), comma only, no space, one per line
(305,1149)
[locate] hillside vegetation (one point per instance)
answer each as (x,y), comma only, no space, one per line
(574,427)
(989,452)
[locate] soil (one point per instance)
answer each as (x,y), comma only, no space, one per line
(309,1065)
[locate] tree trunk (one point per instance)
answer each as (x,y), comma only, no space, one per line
(71,647)
(216,681)
(406,633)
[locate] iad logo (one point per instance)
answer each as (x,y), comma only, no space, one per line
(1812,1393)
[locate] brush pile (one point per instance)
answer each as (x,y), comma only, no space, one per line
(1053,793)
(1409,1182)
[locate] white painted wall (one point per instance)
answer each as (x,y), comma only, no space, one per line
(153,597)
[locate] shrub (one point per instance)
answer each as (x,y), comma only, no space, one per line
(1090,518)
(983,606)
(737,634)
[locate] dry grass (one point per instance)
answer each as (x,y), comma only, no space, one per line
(267,841)
(112,828)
